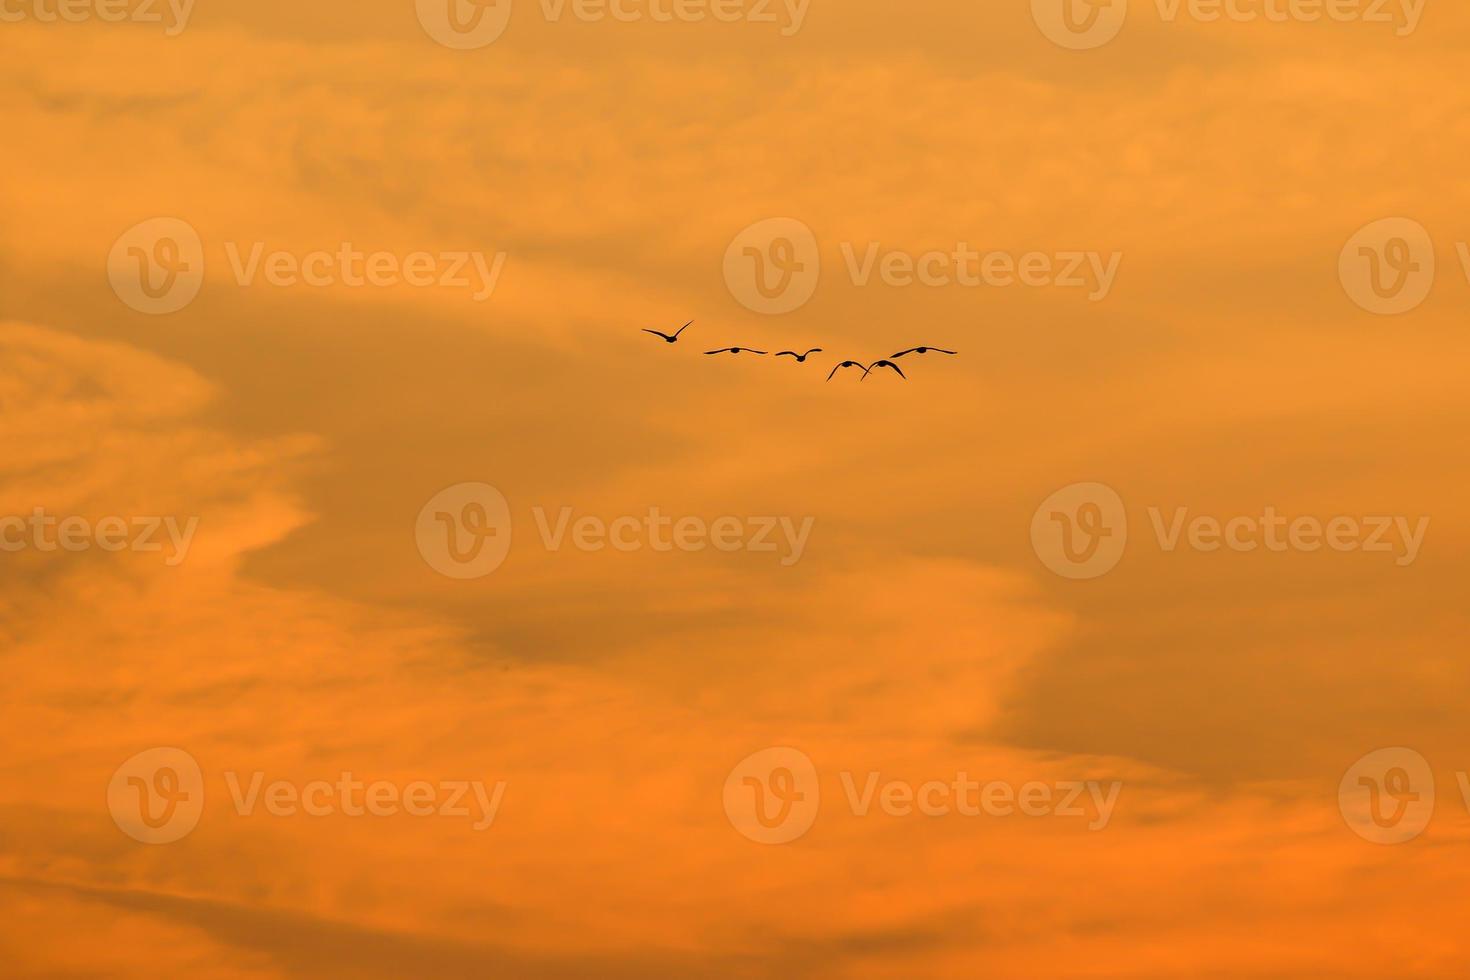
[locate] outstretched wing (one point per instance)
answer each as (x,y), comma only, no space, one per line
(943,351)
(814,350)
(749,350)
(682,329)
(903,352)
(657,334)
(783,353)
(722,350)
(894,366)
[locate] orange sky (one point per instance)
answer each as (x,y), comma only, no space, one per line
(914,629)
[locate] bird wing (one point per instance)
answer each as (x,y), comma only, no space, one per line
(903,352)
(749,350)
(943,351)
(682,329)
(722,350)
(656,333)
(834,371)
(895,367)
(783,353)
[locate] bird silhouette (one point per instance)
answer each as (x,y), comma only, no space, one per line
(887,364)
(923,350)
(667,337)
(800,358)
(848,364)
(736,350)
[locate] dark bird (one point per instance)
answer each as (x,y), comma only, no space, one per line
(888,364)
(736,350)
(800,358)
(923,350)
(666,336)
(847,364)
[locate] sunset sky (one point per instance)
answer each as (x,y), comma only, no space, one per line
(1233,350)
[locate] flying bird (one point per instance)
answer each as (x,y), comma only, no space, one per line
(736,350)
(800,358)
(923,350)
(888,364)
(848,364)
(665,336)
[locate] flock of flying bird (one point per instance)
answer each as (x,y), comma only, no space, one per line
(887,362)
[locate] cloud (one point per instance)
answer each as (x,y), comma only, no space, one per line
(918,636)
